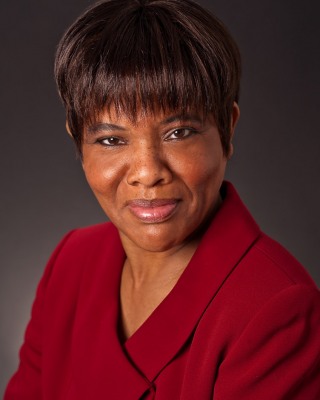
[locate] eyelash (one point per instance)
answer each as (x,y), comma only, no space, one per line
(167,137)
(191,132)
(120,142)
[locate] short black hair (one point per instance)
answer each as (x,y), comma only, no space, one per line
(146,55)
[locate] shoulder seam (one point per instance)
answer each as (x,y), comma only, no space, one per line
(272,259)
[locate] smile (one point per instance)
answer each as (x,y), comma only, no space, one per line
(153,211)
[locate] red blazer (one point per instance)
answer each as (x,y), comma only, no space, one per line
(242,323)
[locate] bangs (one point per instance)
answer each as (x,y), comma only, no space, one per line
(148,68)
(140,58)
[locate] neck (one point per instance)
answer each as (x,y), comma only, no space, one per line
(144,266)
(147,278)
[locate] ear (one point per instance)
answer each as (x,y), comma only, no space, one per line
(235,115)
(68,129)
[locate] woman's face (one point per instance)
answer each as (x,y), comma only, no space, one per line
(158,179)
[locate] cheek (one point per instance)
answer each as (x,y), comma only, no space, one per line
(203,170)
(102,177)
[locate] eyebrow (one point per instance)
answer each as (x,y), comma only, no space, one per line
(181,117)
(105,126)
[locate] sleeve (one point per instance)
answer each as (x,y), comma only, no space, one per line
(278,355)
(25,384)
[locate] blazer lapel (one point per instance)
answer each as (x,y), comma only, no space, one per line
(101,368)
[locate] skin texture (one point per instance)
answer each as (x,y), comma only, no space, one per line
(177,162)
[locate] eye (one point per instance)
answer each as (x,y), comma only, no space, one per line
(180,133)
(111,141)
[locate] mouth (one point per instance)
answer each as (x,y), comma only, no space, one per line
(153,211)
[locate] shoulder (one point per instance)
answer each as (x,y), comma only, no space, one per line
(88,239)
(90,235)
(269,272)
(267,286)
(79,249)
(273,259)
(266,322)
(267,278)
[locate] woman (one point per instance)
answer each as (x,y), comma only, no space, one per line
(180,296)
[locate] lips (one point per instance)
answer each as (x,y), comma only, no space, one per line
(152,211)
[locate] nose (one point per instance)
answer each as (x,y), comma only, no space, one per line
(148,168)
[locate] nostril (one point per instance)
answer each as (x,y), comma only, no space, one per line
(148,171)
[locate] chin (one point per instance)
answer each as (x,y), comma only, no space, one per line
(154,240)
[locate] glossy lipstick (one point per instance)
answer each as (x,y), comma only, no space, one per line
(152,211)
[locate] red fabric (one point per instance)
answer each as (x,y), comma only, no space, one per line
(242,323)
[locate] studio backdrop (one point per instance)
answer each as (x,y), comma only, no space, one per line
(275,166)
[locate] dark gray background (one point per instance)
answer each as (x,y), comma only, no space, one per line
(43,193)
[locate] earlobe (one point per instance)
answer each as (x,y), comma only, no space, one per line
(230,152)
